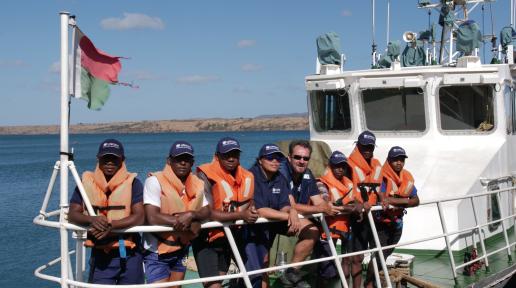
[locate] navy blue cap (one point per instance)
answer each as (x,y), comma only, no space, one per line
(397,151)
(366,138)
(338,157)
(180,148)
(111,147)
(227,144)
(269,149)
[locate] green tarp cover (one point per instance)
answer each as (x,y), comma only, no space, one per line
(413,56)
(393,51)
(328,48)
(468,37)
(446,17)
(506,36)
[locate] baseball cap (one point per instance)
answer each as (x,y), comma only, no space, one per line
(397,151)
(180,148)
(227,144)
(112,147)
(366,138)
(269,149)
(338,157)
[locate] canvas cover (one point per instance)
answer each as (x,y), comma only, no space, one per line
(468,37)
(328,48)
(413,55)
(393,51)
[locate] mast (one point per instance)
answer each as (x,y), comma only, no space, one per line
(373,46)
(63,152)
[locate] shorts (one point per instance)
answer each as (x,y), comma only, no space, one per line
(211,257)
(109,268)
(158,267)
(388,234)
(360,235)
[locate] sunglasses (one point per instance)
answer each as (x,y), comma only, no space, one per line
(299,157)
(273,156)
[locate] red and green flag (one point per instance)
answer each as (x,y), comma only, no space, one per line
(94,72)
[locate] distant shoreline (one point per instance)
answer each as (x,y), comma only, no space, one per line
(260,123)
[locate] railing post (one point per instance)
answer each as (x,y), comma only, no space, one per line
(238,258)
(480,235)
(379,249)
(50,187)
(343,278)
(447,240)
(509,256)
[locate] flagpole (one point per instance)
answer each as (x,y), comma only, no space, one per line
(63,152)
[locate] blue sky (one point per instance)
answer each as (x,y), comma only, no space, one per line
(191,59)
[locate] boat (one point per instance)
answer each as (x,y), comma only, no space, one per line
(454,115)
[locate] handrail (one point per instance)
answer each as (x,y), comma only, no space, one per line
(42,219)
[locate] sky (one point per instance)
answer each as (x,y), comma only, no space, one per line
(192,59)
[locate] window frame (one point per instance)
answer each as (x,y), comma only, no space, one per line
(313,116)
(466,131)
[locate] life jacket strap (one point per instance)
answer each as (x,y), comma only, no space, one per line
(107,208)
(166,241)
(235,204)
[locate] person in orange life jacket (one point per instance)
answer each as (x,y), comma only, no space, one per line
(338,187)
(172,197)
(271,198)
(229,191)
(116,196)
(366,176)
(305,198)
(397,190)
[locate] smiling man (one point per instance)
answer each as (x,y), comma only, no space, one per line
(173,197)
(229,191)
(116,196)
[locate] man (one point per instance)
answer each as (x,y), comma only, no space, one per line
(229,191)
(366,176)
(397,190)
(305,198)
(172,197)
(271,199)
(340,190)
(116,196)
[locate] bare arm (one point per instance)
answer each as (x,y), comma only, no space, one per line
(137,217)
(76,215)
(273,214)
(404,202)
(319,206)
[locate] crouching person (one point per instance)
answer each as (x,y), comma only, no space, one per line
(116,196)
(172,197)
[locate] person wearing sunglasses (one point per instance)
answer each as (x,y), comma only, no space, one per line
(305,198)
(229,191)
(367,177)
(116,196)
(173,197)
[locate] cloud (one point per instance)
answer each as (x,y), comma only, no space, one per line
(133,21)
(197,79)
(12,63)
(249,67)
(143,75)
(55,67)
(345,13)
(244,43)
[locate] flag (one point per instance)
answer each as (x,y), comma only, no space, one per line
(94,71)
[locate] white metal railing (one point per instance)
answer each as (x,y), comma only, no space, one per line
(42,219)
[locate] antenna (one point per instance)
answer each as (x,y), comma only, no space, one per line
(373,46)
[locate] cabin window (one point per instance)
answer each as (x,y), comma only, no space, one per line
(394,109)
(330,110)
(467,107)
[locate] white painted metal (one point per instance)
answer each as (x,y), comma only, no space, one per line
(51,183)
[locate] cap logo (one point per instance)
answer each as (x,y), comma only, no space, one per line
(110,145)
(369,137)
(397,150)
(183,146)
(270,147)
(229,142)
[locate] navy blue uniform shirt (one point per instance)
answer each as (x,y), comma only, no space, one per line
(305,189)
(270,193)
(137,193)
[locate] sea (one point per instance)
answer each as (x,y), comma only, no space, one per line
(26,164)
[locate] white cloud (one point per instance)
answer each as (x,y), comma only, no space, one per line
(197,79)
(345,13)
(249,67)
(12,63)
(55,67)
(246,43)
(133,21)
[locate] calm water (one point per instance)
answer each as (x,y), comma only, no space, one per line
(26,164)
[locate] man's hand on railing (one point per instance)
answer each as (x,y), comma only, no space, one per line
(293,221)
(330,209)
(100,227)
(183,221)
(195,227)
(250,215)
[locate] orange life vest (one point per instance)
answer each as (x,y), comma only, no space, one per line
(399,186)
(338,189)
(177,197)
(364,172)
(228,193)
(115,205)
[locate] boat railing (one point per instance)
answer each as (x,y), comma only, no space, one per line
(80,233)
